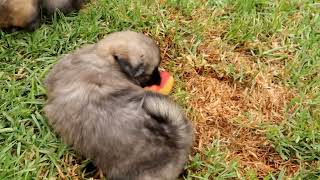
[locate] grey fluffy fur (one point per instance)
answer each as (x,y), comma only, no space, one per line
(98,107)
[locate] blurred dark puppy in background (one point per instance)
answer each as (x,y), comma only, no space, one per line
(49,7)
(27,14)
(97,104)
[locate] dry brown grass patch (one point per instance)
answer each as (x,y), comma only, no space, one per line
(235,113)
(233,108)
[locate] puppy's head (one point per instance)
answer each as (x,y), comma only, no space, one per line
(135,54)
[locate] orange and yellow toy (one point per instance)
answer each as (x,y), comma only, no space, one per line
(166,84)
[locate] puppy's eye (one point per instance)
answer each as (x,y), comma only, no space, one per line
(139,70)
(115,57)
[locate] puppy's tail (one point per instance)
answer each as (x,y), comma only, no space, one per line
(168,120)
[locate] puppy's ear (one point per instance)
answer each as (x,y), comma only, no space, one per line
(128,69)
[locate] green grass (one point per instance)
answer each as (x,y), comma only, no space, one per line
(211,163)
(30,150)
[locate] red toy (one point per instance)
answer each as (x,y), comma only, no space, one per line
(165,86)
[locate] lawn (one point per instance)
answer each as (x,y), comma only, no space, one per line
(247,74)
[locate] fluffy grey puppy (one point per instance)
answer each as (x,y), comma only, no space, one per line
(96,103)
